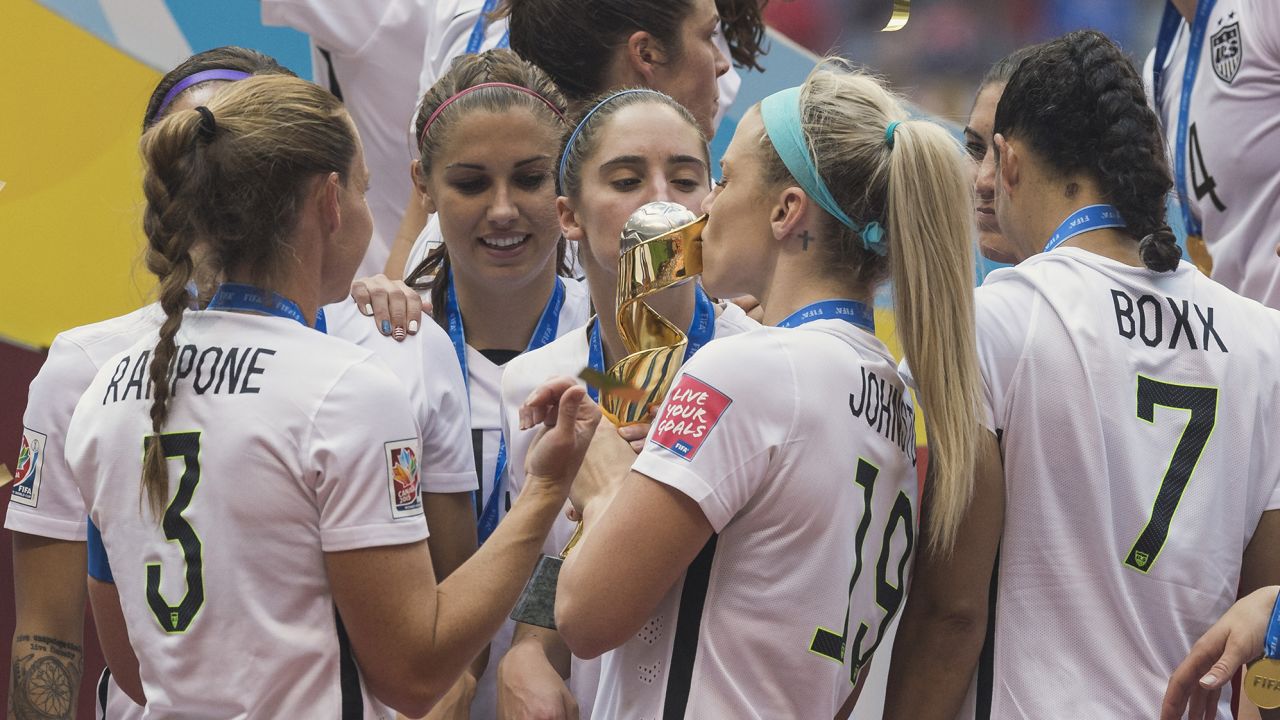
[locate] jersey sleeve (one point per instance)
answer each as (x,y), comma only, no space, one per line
(1002,325)
(44,498)
(336,25)
(364,454)
(718,428)
(447,458)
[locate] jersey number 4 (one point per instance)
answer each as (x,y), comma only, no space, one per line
(1202,404)
(888,594)
(177,618)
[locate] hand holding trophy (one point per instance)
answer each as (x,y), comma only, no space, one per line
(661,248)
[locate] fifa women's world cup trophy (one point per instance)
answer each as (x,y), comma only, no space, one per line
(661,248)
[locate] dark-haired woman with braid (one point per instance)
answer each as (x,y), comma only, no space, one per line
(46,512)
(1128,478)
(271,562)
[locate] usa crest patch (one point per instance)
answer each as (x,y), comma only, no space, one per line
(1227,51)
(692,410)
(402,478)
(26,480)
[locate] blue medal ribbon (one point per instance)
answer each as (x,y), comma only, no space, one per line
(850,311)
(546,330)
(1169,25)
(238,296)
(701,331)
(481,26)
(1271,644)
(1092,217)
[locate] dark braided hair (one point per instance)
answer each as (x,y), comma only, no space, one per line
(499,65)
(1079,103)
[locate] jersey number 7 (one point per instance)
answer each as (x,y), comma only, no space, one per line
(1202,403)
(177,618)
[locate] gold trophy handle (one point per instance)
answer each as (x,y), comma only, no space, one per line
(577,535)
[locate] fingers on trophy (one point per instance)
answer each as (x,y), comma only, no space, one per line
(661,248)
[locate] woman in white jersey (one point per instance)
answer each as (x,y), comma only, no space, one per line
(748,565)
(629,149)
(1215,82)
(279,467)
(489,134)
(46,512)
(670,45)
(1126,480)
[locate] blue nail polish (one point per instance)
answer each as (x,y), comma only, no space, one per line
(386,327)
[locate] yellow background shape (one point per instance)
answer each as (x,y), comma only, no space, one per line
(70,210)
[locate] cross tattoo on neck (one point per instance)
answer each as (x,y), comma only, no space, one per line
(805,238)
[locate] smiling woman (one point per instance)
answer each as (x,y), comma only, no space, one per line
(488,133)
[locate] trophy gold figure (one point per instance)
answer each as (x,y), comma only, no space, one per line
(661,248)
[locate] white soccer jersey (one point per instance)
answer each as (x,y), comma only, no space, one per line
(798,445)
(567,356)
(284,445)
(45,500)
(370,51)
(428,369)
(485,384)
(1232,141)
(1136,411)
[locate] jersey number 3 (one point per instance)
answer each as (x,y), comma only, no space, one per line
(1202,404)
(177,618)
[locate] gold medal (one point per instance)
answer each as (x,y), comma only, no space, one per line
(901,13)
(1199,253)
(1262,683)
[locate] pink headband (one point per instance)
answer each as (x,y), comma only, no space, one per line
(432,118)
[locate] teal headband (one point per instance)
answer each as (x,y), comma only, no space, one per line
(573,137)
(781,114)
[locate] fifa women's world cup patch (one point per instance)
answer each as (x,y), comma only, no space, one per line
(691,412)
(402,477)
(26,481)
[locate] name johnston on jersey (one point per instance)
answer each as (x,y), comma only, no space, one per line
(230,371)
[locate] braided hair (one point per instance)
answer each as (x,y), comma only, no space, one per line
(1079,103)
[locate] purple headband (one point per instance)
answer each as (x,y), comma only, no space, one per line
(195,79)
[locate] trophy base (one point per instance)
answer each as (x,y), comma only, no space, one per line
(537,604)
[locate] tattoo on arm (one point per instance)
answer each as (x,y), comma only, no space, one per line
(805,238)
(46,677)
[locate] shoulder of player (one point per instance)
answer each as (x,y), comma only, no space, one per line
(731,320)
(566,355)
(99,341)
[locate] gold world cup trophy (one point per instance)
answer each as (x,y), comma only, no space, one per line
(661,248)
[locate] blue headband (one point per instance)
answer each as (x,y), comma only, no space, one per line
(573,137)
(195,79)
(781,114)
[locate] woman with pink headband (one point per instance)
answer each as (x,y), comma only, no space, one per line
(488,134)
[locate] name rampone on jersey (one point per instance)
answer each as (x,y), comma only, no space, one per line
(229,371)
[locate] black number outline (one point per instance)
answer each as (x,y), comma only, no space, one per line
(1198,401)
(177,619)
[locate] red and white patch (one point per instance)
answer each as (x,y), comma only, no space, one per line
(692,410)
